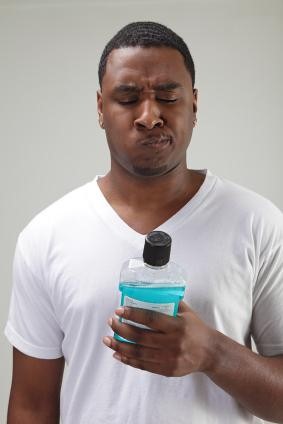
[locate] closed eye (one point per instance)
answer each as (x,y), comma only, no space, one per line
(132,101)
(127,102)
(167,100)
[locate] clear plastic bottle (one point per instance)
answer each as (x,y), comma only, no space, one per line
(152,282)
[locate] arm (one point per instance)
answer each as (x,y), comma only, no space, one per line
(35,390)
(185,344)
(255,381)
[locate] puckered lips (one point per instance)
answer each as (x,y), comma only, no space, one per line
(156,142)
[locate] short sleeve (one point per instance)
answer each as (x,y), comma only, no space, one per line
(32,326)
(267,319)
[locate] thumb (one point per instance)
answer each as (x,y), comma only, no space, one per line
(183,307)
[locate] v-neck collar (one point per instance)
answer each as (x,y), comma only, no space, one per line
(120,227)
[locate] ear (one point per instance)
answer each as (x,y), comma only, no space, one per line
(99,102)
(99,109)
(195,100)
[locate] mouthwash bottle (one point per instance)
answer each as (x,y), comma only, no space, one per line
(152,282)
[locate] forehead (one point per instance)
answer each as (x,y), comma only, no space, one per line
(146,66)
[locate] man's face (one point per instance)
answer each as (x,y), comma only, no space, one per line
(147,105)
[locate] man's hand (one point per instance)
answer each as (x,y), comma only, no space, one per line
(176,347)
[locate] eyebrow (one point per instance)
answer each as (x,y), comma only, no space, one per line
(127,88)
(130,88)
(167,86)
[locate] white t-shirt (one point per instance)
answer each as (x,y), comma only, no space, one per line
(66,273)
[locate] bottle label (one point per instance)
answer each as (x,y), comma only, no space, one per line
(164,308)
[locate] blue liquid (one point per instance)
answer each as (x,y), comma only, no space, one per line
(151,293)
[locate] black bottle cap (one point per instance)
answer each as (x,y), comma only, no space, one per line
(157,248)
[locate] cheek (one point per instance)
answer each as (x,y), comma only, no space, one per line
(117,124)
(183,126)
(115,114)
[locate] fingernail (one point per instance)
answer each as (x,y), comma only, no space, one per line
(107,341)
(110,321)
(120,311)
(117,356)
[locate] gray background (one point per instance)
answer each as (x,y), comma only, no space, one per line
(50,139)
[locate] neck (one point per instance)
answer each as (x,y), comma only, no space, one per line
(174,188)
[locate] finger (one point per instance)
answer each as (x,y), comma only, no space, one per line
(152,319)
(183,307)
(153,367)
(134,351)
(135,334)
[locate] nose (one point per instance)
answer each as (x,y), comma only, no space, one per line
(149,116)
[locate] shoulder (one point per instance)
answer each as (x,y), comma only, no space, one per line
(244,199)
(245,205)
(64,216)
(67,207)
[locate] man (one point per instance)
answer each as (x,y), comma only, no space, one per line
(68,259)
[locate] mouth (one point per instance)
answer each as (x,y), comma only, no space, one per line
(157,142)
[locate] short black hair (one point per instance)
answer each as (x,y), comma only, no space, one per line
(146,34)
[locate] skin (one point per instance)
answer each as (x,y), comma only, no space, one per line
(152,185)
(149,179)
(147,98)
(35,391)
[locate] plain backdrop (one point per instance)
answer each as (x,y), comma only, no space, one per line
(49,135)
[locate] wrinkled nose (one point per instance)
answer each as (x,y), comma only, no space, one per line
(149,116)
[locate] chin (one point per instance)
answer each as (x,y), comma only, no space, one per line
(150,172)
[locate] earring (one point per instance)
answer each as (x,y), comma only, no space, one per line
(195,122)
